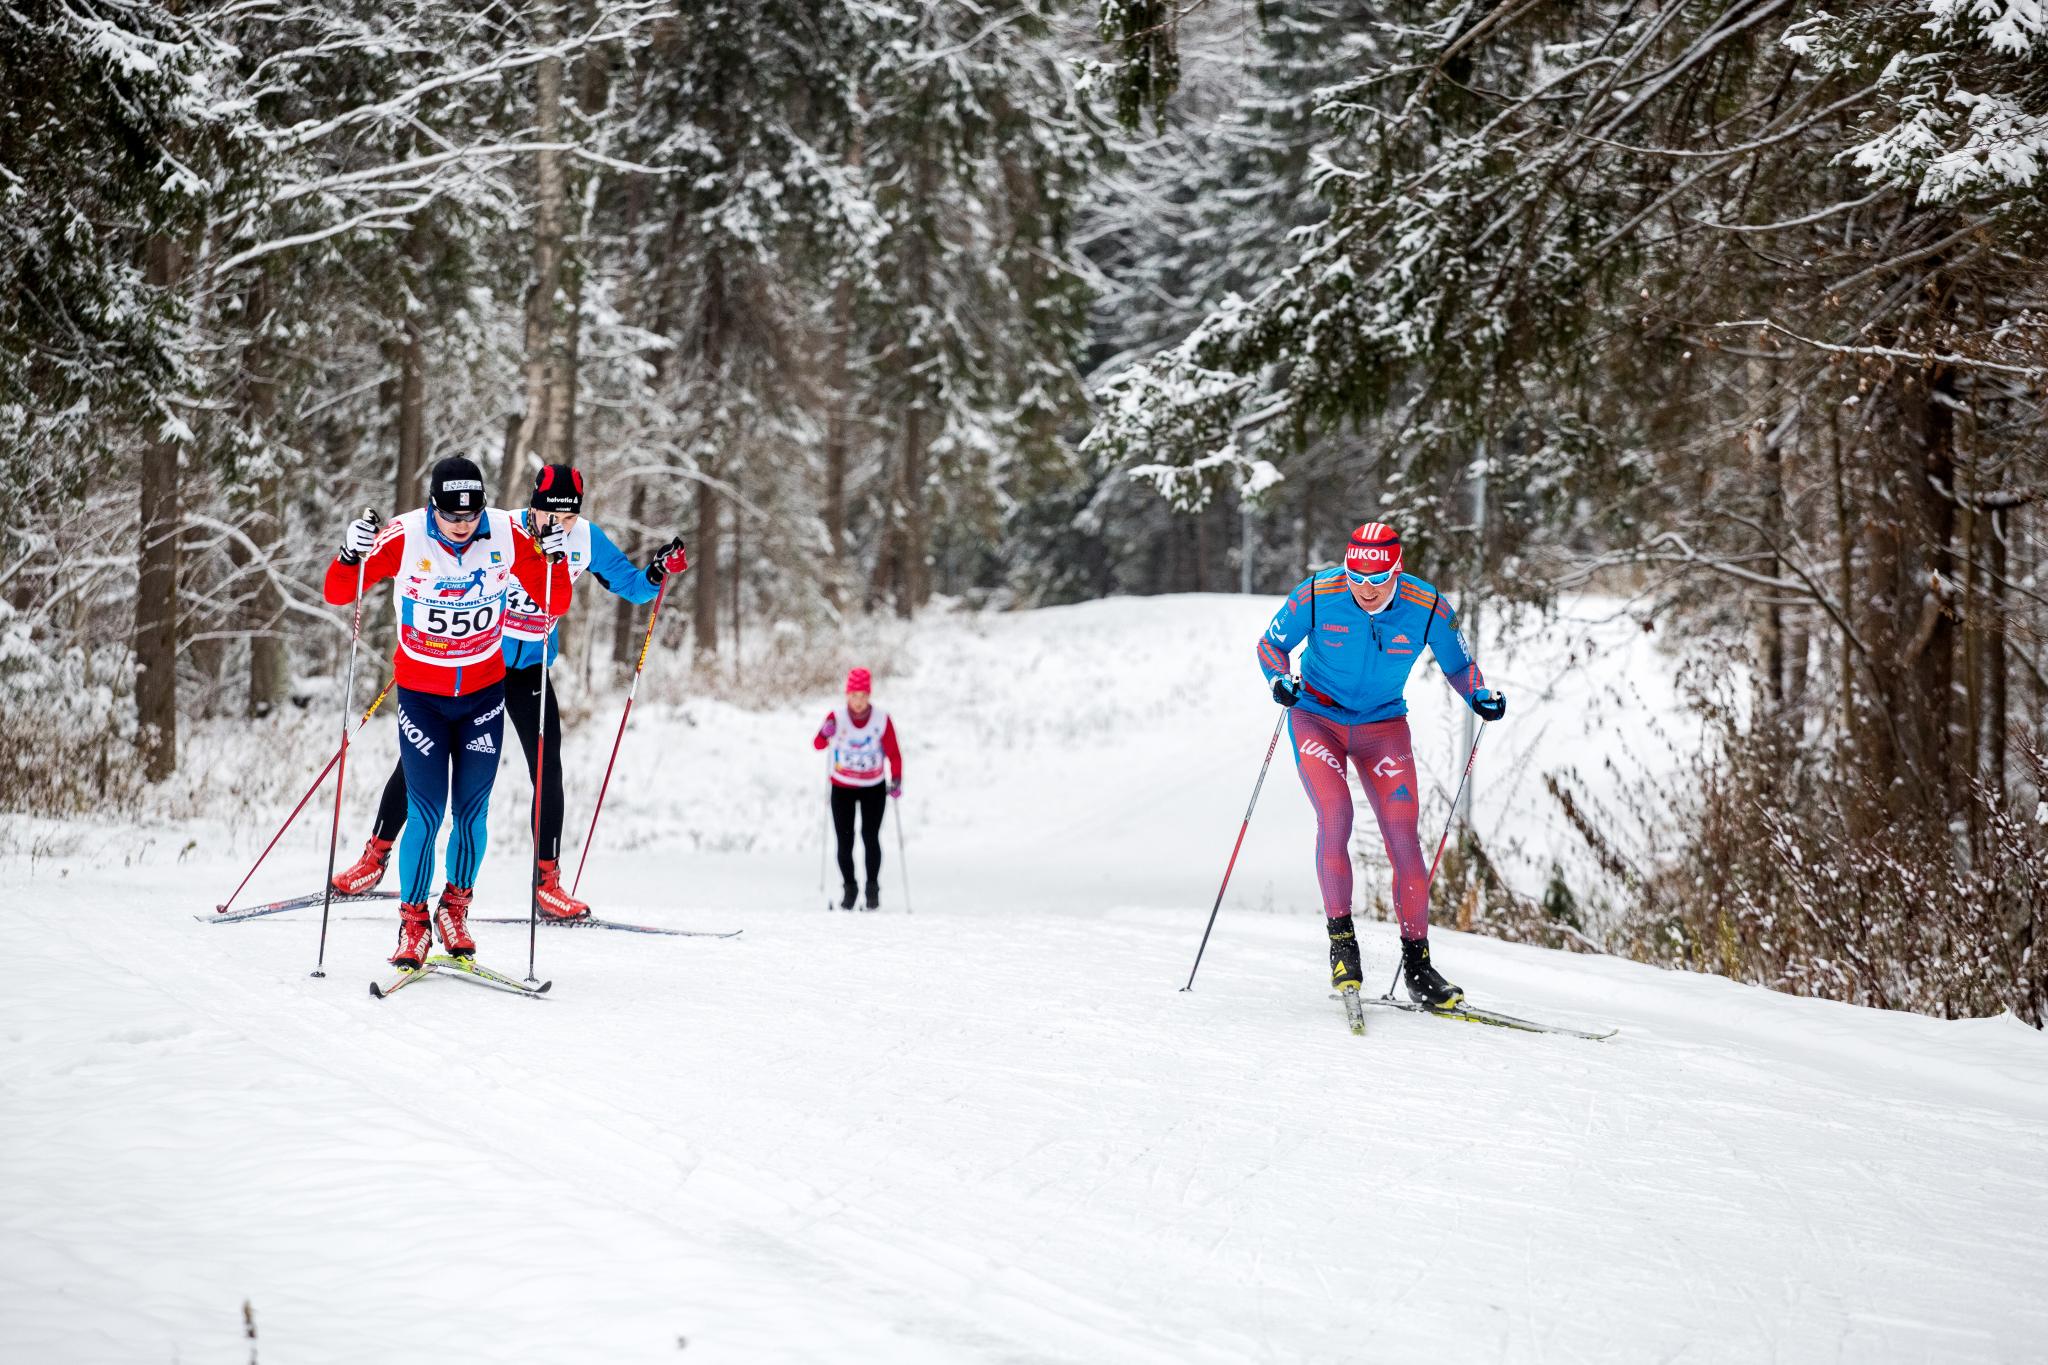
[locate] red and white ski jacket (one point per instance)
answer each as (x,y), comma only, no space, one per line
(450,599)
(855,752)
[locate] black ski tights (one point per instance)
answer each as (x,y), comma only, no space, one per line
(871,802)
(522,708)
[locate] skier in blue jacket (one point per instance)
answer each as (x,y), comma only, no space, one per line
(530,639)
(1361,628)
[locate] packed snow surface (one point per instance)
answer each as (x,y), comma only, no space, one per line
(991,1130)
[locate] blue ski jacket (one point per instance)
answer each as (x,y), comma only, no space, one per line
(1355,667)
(609,566)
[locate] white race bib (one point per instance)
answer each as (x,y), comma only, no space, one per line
(451,608)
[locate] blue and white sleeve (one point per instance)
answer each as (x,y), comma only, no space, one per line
(1286,630)
(608,563)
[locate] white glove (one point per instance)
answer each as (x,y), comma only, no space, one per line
(553,540)
(359,538)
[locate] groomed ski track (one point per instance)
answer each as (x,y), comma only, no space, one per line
(994,1131)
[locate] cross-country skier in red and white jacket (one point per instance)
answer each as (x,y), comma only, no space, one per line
(858,738)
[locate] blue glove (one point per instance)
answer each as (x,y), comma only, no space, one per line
(1286,690)
(1489,704)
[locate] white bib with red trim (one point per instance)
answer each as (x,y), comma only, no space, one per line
(524,620)
(854,753)
(451,609)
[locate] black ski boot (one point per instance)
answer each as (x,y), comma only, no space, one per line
(1426,985)
(874,896)
(1343,953)
(848,896)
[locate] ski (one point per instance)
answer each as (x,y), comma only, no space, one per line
(1472,1014)
(469,966)
(459,966)
(223,915)
(1354,1013)
(592,922)
(405,978)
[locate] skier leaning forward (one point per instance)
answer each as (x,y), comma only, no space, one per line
(1364,625)
(452,565)
(557,499)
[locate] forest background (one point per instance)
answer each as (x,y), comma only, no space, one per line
(1731,310)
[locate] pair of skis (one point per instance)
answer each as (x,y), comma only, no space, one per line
(1355,1004)
(460,966)
(373,897)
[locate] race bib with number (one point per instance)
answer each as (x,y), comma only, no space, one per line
(451,608)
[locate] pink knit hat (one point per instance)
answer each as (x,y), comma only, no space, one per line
(859,681)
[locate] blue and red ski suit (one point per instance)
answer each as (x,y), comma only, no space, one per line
(1354,675)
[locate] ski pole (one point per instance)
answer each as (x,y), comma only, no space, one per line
(540,765)
(906,864)
(1273,744)
(631,692)
(223,907)
(348,687)
(1449,820)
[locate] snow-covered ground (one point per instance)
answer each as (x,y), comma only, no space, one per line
(991,1130)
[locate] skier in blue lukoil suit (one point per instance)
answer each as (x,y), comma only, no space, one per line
(1361,628)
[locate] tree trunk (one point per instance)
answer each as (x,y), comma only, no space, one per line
(625,637)
(837,396)
(265,523)
(1932,650)
(1771,625)
(1994,658)
(267,648)
(412,385)
(543,429)
(704,569)
(156,595)
(909,511)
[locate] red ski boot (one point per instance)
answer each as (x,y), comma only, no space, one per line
(450,917)
(555,903)
(366,871)
(415,937)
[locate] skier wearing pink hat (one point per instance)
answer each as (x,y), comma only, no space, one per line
(859,738)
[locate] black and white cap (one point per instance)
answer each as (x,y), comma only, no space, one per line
(458,486)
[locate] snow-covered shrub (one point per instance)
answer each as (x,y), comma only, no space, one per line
(66,739)
(1790,869)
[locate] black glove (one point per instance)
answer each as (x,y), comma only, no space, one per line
(673,557)
(1286,690)
(1490,705)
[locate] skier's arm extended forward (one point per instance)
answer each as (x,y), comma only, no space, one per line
(381,563)
(609,566)
(1447,643)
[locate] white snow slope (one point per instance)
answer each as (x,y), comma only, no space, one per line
(994,1130)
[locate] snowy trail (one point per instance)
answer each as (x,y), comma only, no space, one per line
(992,1131)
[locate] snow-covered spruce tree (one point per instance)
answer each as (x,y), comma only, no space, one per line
(753,106)
(969,319)
(120,137)
(118,134)
(1200,206)
(1457,261)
